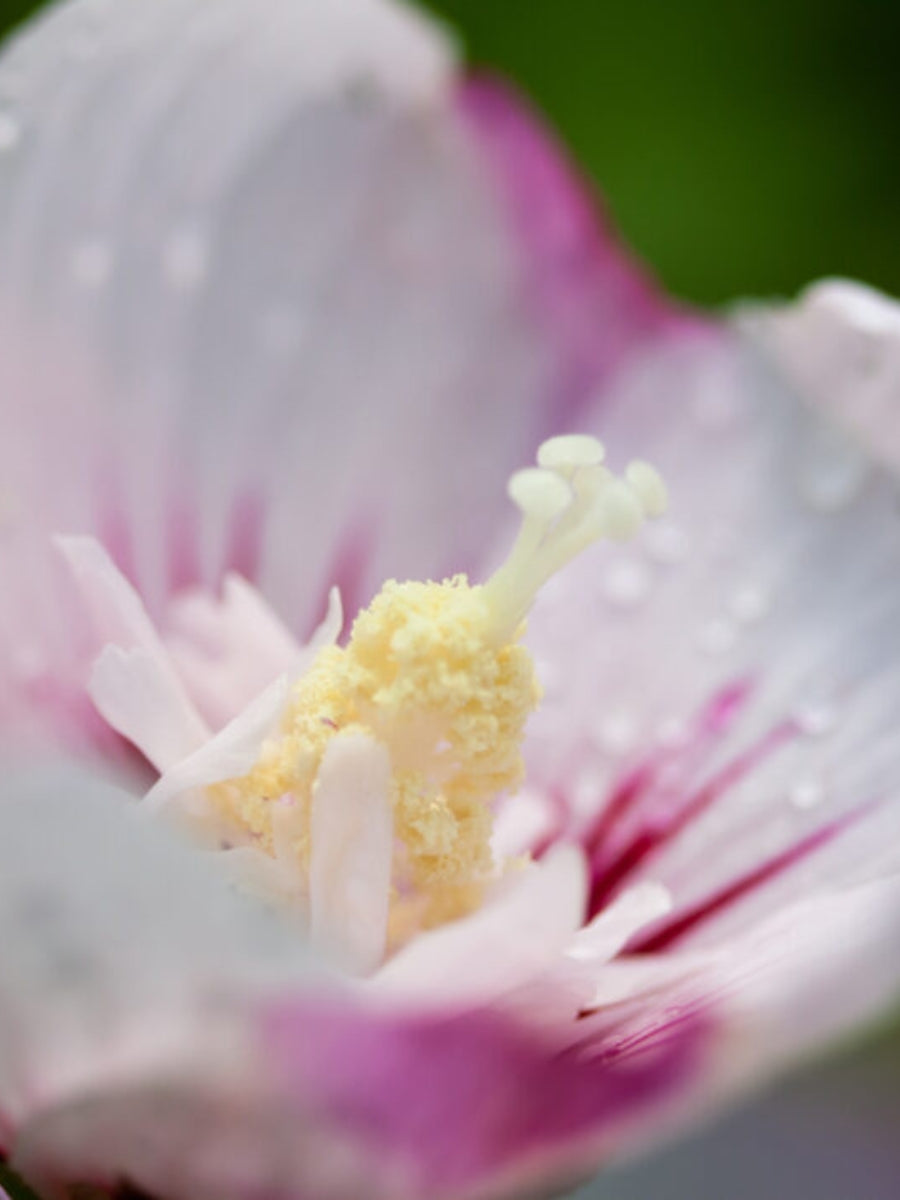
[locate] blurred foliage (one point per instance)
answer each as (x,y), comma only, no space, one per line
(14,1187)
(743,149)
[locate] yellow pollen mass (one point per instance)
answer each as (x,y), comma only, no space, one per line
(437,673)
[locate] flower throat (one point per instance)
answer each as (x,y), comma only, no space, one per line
(437,673)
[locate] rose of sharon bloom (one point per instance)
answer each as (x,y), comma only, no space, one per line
(570,834)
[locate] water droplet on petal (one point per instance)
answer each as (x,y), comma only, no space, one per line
(749,604)
(806,794)
(626,583)
(589,790)
(832,472)
(185,258)
(672,733)
(717,636)
(816,720)
(10,131)
(716,407)
(615,734)
(666,543)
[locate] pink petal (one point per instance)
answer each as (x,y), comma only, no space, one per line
(588,290)
(720,715)
(370,1107)
(133,683)
(477,1104)
(280,310)
(46,646)
(228,649)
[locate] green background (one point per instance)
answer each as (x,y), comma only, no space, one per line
(744,149)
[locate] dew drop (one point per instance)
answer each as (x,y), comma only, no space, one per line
(91,262)
(185,258)
(807,794)
(672,733)
(10,131)
(749,605)
(717,636)
(817,720)
(832,472)
(716,407)
(615,734)
(666,543)
(626,583)
(589,790)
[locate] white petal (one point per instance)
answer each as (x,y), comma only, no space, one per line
(520,823)
(229,754)
(132,690)
(232,751)
(505,945)
(839,345)
(609,932)
(133,684)
(352,852)
(227,649)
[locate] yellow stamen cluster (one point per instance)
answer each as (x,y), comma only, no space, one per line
(436,672)
(420,674)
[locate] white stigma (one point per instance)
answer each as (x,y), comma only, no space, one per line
(569,501)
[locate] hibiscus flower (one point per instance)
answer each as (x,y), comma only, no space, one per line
(585,825)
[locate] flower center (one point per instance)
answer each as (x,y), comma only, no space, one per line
(437,674)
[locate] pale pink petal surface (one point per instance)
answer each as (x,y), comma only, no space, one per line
(253,240)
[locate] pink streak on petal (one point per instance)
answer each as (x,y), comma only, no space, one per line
(464,1098)
(611,873)
(114,529)
(680,926)
(246,529)
(72,722)
(714,721)
(184,565)
(641,781)
(598,302)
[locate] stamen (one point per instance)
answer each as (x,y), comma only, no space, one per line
(570,451)
(647,485)
(553,533)
(435,675)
